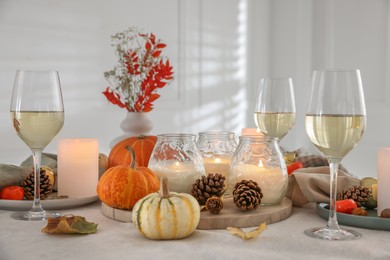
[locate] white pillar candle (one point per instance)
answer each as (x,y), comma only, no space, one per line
(383,179)
(78,167)
(251,131)
(272,181)
(181,175)
(217,164)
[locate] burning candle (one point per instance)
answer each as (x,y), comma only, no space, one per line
(78,167)
(181,175)
(251,131)
(217,149)
(272,181)
(383,179)
(217,164)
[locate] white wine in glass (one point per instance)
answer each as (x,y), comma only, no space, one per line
(335,123)
(275,107)
(37,115)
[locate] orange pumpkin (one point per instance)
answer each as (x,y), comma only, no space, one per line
(142,146)
(122,186)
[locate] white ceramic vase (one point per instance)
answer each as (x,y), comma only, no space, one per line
(134,124)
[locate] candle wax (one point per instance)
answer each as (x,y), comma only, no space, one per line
(383,179)
(251,131)
(181,175)
(218,164)
(78,167)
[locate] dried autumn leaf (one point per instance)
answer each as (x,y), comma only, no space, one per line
(153,97)
(113,98)
(161,45)
(247,235)
(69,225)
(152,38)
(148,46)
(156,54)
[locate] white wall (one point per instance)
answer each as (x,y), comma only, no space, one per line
(219,48)
(295,37)
(206,45)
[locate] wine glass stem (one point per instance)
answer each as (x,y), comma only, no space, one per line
(37,154)
(334,166)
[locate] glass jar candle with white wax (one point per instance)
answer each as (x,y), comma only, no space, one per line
(176,157)
(259,158)
(216,149)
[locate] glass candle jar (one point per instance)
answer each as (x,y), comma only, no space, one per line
(259,158)
(217,149)
(176,157)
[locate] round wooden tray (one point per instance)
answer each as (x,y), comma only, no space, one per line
(230,215)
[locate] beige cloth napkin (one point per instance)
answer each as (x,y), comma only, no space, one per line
(313,184)
(12,175)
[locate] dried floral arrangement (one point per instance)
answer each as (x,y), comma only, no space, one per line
(140,72)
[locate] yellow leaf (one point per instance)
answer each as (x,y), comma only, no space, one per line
(247,235)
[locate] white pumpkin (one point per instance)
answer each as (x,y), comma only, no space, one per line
(165,215)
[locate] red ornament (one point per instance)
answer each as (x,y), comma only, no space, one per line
(293,167)
(346,206)
(12,193)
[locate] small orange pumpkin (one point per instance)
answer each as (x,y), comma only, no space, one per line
(122,186)
(142,145)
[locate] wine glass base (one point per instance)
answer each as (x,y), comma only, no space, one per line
(35,216)
(332,234)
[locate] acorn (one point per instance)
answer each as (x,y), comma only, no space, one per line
(385,213)
(372,184)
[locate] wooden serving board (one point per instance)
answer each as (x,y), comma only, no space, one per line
(230,215)
(117,214)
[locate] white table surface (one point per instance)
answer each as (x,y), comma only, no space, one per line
(117,240)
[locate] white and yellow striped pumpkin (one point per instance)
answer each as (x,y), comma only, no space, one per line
(165,215)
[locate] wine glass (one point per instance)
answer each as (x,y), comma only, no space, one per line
(335,122)
(275,107)
(37,114)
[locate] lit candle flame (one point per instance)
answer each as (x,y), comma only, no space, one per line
(260,163)
(176,166)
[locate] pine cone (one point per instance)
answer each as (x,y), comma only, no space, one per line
(359,212)
(359,194)
(214,204)
(247,195)
(206,187)
(46,186)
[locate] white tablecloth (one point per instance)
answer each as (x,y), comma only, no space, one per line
(117,240)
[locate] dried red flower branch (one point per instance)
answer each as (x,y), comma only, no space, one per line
(140,72)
